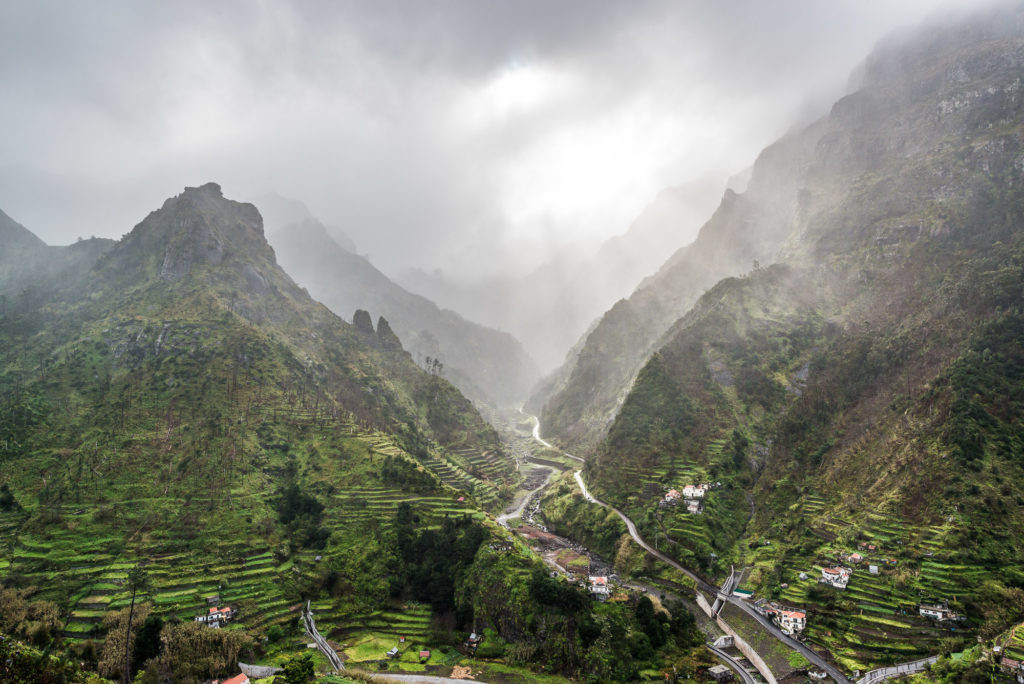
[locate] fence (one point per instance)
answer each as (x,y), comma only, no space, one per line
(896,670)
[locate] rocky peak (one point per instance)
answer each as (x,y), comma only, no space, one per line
(196,228)
(388,339)
(362,322)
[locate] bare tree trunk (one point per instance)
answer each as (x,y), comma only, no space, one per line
(126,677)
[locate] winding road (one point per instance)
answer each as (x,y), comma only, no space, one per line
(518,510)
(702,584)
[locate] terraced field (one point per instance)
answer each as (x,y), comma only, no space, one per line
(875,620)
(474,474)
(83,566)
(1012,642)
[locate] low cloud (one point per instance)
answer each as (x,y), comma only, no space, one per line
(467,136)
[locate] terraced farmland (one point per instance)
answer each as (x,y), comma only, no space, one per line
(474,474)
(875,620)
(82,562)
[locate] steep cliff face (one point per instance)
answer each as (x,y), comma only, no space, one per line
(876,169)
(578,404)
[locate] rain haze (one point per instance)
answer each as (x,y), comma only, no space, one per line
(471,137)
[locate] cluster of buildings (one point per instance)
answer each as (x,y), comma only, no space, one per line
(215,616)
(395,653)
(692,495)
(1014,668)
(856,557)
(837,577)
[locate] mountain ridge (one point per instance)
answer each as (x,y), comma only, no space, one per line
(862,391)
(487,365)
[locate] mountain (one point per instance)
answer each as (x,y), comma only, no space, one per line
(549,308)
(28,265)
(200,265)
(186,405)
(486,365)
(578,401)
(184,428)
(279,211)
(859,386)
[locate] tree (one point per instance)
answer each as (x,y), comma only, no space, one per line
(115,623)
(138,580)
(193,652)
(7,500)
(147,643)
(299,670)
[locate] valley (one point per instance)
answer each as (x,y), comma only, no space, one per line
(791,453)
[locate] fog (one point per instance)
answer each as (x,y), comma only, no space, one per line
(472,137)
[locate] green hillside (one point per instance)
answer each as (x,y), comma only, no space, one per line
(866,388)
(182,427)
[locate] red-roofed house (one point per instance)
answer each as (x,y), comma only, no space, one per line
(836,577)
(215,616)
(599,587)
(237,679)
(791,621)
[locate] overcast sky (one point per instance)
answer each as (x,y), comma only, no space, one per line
(468,136)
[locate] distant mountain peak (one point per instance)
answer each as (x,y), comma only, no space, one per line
(282,214)
(14,235)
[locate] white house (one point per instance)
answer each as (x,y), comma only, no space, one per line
(937,611)
(836,577)
(599,587)
(215,616)
(789,621)
(694,491)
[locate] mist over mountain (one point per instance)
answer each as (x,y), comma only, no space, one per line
(29,267)
(784,402)
(552,306)
(580,399)
(487,365)
(860,364)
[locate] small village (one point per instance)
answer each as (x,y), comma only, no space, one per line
(691,496)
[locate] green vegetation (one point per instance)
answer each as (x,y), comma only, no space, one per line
(179,439)
(865,388)
(21,664)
